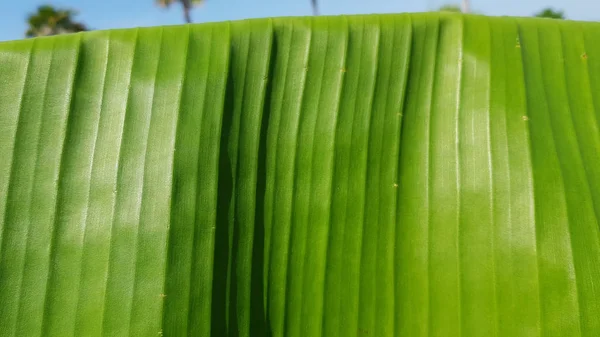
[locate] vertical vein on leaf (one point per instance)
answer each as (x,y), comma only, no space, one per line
(59,187)
(509,225)
(382,184)
(12,168)
(277,154)
(20,293)
(221,194)
(367,154)
(288,247)
(182,85)
(341,237)
(143,187)
(269,164)
(306,267)
(234,301)
(532,179)
(118,177)
(562,52)
(427,172)
(194,224)
(431,168)
(491,185)
(562,179)
(589,181)
(339,90)
(408,73)
(306,59)
(389,119)
(93,160)
(457,158)
(352,145)
(233,283)
(589,74)
(257,323)
(10,186)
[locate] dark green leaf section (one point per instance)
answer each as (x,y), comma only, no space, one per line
(401,175)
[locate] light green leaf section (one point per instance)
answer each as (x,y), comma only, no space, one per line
(400,175)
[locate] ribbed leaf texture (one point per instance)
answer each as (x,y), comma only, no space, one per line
(400,175)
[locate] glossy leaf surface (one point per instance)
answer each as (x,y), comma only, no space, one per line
(400,175)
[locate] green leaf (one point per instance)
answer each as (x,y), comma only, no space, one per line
(399,175)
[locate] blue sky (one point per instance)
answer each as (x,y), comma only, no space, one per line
(135,13)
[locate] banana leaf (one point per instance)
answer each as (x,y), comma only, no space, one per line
(382,175)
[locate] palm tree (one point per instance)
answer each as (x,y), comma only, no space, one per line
(550,14)
(52,21)
(187,6)
(315,7)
